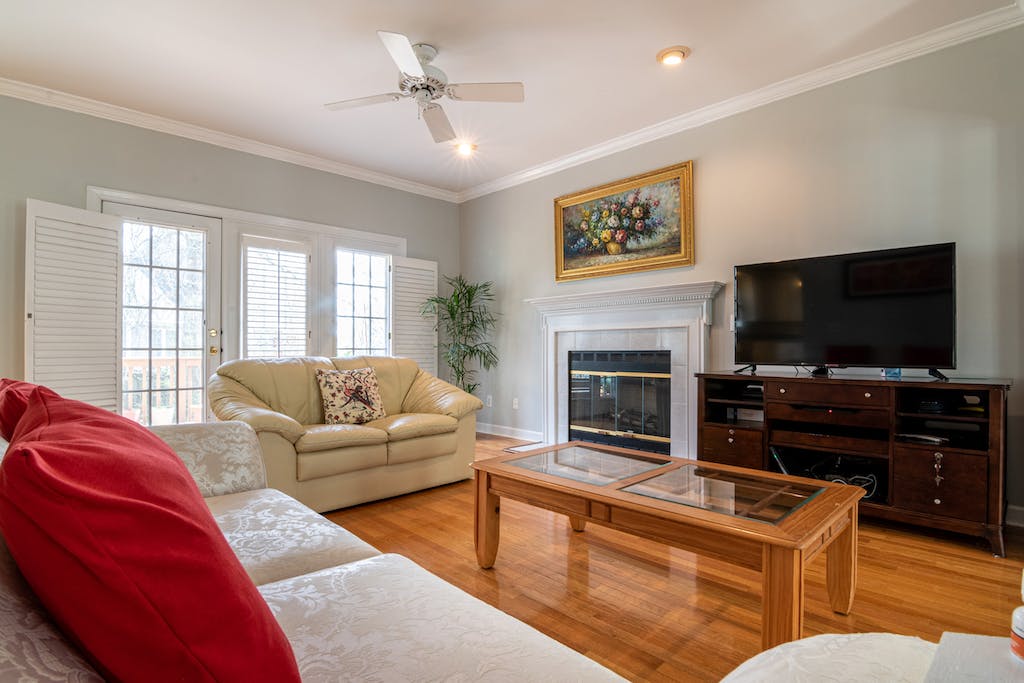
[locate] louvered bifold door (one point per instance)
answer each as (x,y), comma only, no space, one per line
(413,281)
(72,302)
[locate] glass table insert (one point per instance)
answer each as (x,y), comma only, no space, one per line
(749,496)
(588,465)
(753,497)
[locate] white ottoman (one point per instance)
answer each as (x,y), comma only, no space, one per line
(840,657)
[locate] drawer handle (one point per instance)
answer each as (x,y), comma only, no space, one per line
(731,440)
(938,501)
(782,390)
(732,431)
(867,394)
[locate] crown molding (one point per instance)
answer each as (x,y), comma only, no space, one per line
(947,36)
(111,112)
(982,25)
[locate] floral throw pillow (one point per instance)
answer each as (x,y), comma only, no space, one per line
(350,396)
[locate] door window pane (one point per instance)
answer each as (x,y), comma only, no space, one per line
(163,323)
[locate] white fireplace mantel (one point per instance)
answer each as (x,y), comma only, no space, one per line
(672,317)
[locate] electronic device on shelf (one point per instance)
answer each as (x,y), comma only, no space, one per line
(936,407)
(922,438)
(893,308)
(754,391)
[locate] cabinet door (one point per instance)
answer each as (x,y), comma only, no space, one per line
(732,446)
(961,490)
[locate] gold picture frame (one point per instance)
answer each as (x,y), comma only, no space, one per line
(632,225)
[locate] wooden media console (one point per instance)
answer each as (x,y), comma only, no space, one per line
(928,452)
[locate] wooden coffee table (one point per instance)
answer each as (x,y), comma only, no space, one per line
(773,523)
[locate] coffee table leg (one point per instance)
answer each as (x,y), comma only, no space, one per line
(782,601)
(486,521)
(577,523)
(842,566)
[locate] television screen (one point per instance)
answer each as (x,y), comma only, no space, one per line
(890,308)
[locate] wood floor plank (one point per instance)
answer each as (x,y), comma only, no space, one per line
(655,613)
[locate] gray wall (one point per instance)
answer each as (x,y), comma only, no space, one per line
(930,150)
(51,154)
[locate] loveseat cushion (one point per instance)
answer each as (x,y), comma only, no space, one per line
(110,531)
(327,437)
(412,425)
(286,385)
(394,376)
(277,537)
(423,448)
(386,618)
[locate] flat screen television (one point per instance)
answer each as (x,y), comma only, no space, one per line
(894,308)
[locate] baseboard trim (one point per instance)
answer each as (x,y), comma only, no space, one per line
(512,432)
(1015,515)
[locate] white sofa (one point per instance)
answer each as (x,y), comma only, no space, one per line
(349,612)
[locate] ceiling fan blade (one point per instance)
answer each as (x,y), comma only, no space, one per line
(438,123)
(363,101)
(486,92)
(400,49)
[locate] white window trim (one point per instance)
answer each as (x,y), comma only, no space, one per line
(352,238)
(238,223)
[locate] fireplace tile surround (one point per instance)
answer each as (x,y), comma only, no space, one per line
(676,318)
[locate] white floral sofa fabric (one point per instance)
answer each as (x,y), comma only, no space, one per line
(350,612)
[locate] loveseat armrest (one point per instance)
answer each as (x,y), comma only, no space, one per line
(229,400)
(428,394)
(223,457)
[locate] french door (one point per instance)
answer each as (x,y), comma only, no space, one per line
(170,319)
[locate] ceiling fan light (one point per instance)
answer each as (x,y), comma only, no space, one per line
(673,56)
(465,149)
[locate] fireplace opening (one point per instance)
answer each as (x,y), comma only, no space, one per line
(621,398)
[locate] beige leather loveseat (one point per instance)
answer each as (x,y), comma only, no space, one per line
(426,438)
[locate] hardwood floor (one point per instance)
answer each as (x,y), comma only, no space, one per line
(654,613)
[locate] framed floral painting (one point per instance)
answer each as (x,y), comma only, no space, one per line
(632,225)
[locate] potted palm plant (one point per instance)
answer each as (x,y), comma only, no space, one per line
(465,321)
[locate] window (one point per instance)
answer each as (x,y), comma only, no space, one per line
(361,282)
(163,321)
(275,278)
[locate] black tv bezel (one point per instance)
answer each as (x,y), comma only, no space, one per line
(855,254)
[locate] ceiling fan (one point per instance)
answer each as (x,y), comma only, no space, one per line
(426,83)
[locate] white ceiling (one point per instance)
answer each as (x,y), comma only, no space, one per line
(254,74)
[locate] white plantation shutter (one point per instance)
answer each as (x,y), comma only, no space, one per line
(275,289)
(413,281)
(72,302)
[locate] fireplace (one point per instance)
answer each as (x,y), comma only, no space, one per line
(675,318)
(622,398)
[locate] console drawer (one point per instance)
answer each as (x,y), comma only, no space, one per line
(833,442)
(732,446)
(962,493)
(834,394)
(825,415)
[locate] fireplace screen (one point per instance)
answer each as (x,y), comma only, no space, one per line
(621,398)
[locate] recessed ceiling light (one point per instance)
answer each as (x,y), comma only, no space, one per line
(673,56)
(465,149)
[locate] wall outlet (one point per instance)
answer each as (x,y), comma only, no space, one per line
(515,404)
(490,401)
